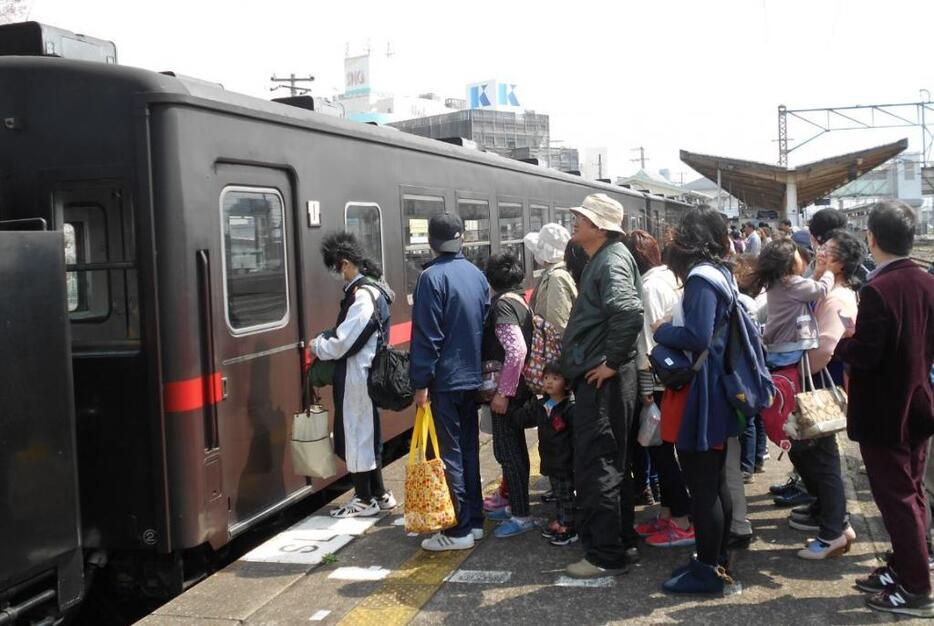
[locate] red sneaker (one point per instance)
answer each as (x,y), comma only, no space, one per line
(647,529)
(672,537)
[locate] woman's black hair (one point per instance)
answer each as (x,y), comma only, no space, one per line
(503,272)
(824,221)
(849,253)
(576,259)
(701,236)
(344,246)
(775,261)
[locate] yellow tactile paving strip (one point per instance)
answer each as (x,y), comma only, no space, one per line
(405,591)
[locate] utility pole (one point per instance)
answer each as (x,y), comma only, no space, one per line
(641,160)
(292,86)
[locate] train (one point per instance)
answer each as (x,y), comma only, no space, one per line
(187,284)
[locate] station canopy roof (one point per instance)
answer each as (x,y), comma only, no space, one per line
(762,185)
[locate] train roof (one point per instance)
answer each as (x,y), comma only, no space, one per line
(167,87)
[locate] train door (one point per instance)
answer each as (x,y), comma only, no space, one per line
(256,333)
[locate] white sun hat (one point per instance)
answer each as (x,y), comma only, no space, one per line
(605,212)
(548,244)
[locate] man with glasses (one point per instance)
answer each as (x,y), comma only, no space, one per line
(599,357)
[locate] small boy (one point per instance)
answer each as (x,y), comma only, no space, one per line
(554,416)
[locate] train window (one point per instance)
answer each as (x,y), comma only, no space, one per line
(512,229)
(416,211)
(88,291)
(364,220)
(255,280)
(563,216)
(476,216)
(538,217)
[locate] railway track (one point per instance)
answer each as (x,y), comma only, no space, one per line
(923,252)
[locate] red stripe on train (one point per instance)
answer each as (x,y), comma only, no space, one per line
(191,394)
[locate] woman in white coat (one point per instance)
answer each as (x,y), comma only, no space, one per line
(352,344)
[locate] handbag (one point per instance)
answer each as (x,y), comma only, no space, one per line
(428,504)
(818,412)
(489,381)
(321,373)
(673,368)
(311,444)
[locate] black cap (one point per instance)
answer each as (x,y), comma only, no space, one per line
(445,233)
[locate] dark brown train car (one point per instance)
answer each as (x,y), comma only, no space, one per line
(192,218)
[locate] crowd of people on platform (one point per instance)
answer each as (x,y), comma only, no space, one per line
(829,310)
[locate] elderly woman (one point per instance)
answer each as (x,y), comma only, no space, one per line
(555,291)
(818,460)
(506,337)
(660,293)
(352,344)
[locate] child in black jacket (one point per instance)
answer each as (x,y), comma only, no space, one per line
(554,416)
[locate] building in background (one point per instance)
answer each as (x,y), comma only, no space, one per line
(662,186)
(369,83)
(594,163)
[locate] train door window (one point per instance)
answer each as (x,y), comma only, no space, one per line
(86,244)
(538,217)
(476,216)
(416,211)
(512,229)
(255,280)
(563,216)
(364,219)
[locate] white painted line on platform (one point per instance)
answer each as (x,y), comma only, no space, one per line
(319,615)
(479,577)
(296,547)
(596,583)
(399,521)
(338,526)
(374,572)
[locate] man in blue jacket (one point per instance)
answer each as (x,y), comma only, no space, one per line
(449,307)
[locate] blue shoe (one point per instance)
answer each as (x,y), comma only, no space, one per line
(499,515)
(513,527)
(793,498)
(699,578)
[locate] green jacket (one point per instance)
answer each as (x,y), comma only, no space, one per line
(607,316)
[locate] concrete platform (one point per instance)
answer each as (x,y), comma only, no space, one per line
(371,572)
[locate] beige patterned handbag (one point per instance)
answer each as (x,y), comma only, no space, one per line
(818,412)
(428,504)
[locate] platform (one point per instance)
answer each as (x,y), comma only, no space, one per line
(323,571)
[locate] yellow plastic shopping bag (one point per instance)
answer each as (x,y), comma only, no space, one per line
(428,505)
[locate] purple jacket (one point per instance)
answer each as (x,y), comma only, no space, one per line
(890,356)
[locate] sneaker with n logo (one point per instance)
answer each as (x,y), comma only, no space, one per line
(878,581)
(896,600)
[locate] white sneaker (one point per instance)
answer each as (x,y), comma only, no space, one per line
(357,508)
(477,533)
(387,502)
(440,543)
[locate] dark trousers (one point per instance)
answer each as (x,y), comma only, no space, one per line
(603,421)
(753,444)
(818,464)
(563,488)
(705,473)
(670,480)
(511,452)
(895,478)
(455,414)
(369,485)
(644,474)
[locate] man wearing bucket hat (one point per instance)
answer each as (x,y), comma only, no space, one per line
(599,356)
(449,306)
(555,290)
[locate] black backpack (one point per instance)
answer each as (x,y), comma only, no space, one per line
(389,384)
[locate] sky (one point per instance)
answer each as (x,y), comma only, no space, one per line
(666,75)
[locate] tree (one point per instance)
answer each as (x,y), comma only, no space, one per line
(13,11)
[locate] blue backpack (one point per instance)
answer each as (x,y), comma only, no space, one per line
(746,378)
